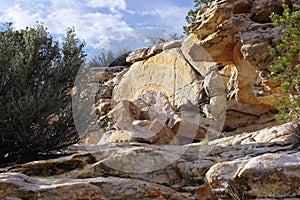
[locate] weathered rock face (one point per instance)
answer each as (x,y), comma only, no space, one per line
(224,61)
(170,73)
(167,72)
(263,164)
(156,106)
(221,68)
(125,112)
(18,186)
(144,53)
(239,33)
(145,131)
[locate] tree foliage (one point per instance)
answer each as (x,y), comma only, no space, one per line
(36,80)
(192,13)
(108,58)
(286,70)
(162,38)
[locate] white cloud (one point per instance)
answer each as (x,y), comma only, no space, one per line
(133,39)
(57,15)
(145,12)
(100,26)
(92,27)
(20,17)
(58,4)
(111,4)
(96,21)
(171,15)
(6,4)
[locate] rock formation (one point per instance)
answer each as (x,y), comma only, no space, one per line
(257,165)
(190,119)
(222,67)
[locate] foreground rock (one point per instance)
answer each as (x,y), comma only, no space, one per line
(248,166)
(91,188)
(269,175)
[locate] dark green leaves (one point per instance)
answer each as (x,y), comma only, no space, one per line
(36,74)
(286,70)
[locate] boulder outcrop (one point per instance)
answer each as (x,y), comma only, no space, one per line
(222,68)
(224,61)
(239,33)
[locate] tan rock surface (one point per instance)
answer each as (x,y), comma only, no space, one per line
(144,53)
(125,112)
(190,124)
(239,33)
(261,176)
(167,72)
(94,137)
(140,131)
(172,44)
(197,56)
(156,106)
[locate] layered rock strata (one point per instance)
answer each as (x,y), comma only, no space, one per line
(258,165)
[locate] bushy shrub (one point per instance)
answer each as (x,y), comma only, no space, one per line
(286,70)
(36,80)
(110,59)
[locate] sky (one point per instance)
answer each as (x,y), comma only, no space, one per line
(102,24)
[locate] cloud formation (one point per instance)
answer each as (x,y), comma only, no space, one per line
(111,4)
(94,20)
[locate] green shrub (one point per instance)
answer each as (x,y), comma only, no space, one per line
(286,70)
(36,80)
(110,59)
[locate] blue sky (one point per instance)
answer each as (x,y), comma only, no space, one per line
(101,23)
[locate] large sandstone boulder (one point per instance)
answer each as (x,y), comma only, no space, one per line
(167,72)
(170,72)
(268,175)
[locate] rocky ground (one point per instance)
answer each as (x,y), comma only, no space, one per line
(258,165)
(190,119)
